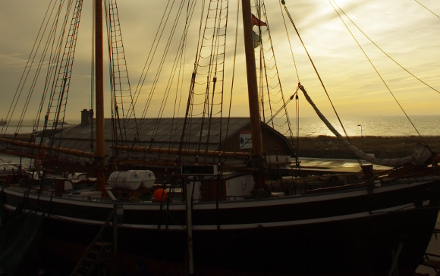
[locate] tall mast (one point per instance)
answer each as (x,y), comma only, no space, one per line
(99,79)
(257,141)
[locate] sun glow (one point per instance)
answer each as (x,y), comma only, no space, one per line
(403,31)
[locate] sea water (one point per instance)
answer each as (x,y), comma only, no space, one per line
(354,126)
(26,127)
(10,162)
(367,126)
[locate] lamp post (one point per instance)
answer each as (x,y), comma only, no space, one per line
(362,141)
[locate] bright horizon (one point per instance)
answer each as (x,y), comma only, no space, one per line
(403,29)
(383,126)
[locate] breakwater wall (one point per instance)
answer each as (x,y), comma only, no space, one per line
(382,147)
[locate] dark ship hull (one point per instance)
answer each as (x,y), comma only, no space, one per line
(352,230)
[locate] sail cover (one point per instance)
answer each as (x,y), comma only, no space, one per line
(421,152)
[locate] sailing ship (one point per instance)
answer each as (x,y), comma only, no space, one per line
(202,193)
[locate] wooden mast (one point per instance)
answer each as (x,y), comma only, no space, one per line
(254,111)
(99,80)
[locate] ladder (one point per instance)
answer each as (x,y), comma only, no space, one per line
(99,252)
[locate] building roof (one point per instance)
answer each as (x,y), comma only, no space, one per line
(161,133)
(157,133)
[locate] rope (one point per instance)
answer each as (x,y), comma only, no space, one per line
(162,61)
(54,60)
(153,50)
(27,69)
(316,71)
(396,162)
(59,100)
(179,62)
(381,48)
(427,8)
(281,2)
(274,98)
(392,94)
(232,80)
(206,101)
(181,73)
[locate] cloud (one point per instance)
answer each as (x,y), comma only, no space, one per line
(404,29)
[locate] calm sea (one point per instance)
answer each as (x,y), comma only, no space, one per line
(26,127)
(313,126)
(370,126)
(9,162)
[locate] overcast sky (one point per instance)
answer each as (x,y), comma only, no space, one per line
(404,29)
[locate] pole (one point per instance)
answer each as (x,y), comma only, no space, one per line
(254,111)
(257,143)
(99,78)
(189,226)
(116,208)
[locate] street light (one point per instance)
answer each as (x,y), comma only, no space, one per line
(361,130)
(362,140)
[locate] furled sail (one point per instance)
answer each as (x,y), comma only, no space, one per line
(421,152)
